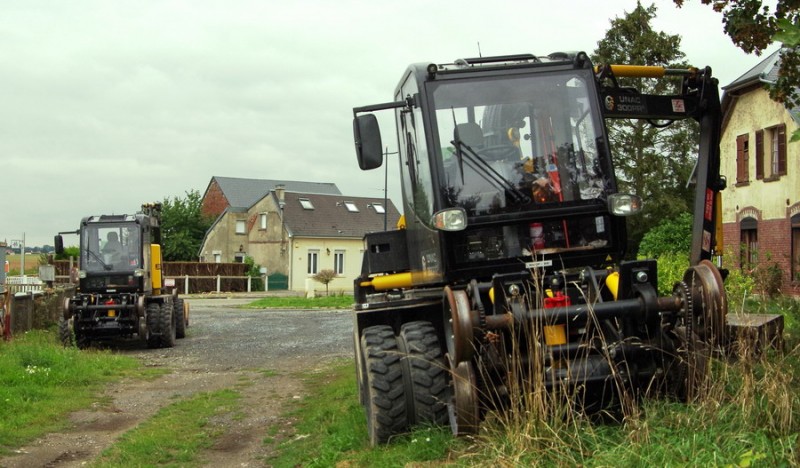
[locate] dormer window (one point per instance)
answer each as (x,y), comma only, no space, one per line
(378,208)
(351,207)
(306,204)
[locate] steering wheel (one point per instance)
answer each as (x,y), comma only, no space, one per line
(500,152)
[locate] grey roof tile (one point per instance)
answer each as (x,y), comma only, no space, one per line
(331,218)
(244,193)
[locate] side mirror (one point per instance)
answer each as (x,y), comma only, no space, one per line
(59,242)
(367,136)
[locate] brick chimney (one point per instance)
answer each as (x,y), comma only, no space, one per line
(279,191)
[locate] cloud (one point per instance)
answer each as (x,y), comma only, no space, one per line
(107,105)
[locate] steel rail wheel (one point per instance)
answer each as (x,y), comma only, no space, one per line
(458,325)
(463,408)
(709,302)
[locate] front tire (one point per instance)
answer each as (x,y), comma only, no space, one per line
(427,373)
(385,399)
(65,333)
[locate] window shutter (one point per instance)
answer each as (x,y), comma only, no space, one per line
(742,158)
(781,149)
(760,154)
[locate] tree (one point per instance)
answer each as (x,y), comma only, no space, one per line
(325,277)
(183,227)
(753,27)
(653,162)
(671,235)
(73,251)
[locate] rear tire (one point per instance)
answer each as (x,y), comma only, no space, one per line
(427,374)
(385,399)
(180,319)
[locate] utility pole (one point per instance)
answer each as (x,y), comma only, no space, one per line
(22,257)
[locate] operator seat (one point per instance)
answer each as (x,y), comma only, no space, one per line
(470,134)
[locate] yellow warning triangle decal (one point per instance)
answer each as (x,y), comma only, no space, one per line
(608,257)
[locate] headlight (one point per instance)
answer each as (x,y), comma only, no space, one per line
(624,204)
(138,273)
(451,219)
(81,274)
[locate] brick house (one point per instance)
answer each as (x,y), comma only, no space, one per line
(761,206)
(292,232)
(228,199)
(237,193)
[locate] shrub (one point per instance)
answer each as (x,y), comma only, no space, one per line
(671,268)
(768,278)
(254,272)
(325,277)
(671,235)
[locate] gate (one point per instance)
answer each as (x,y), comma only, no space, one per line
(277,282)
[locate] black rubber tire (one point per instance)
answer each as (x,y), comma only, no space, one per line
(385,392)
(68,337)
(153,312)
(168,325)
(160,326)
(426,374)
(180,320)
(65,333)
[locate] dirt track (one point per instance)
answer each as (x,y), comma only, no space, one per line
(225,347)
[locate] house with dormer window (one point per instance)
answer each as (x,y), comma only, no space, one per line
(761,206)
(296,233)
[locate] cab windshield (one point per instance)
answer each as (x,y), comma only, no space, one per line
(520,143)
(111,247)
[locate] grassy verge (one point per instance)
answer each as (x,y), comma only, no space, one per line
(716,431)
(331,430)
(748,415)
(41,381)
(175,435)
(320,302)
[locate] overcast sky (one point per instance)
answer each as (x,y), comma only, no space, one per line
(107,104)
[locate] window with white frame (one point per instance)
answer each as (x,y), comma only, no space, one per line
(338,262)
(240,226)
(378,208)
(351,207)
(262,219)
(313,262)
(306,203)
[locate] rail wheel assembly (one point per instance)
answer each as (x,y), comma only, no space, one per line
(463,408)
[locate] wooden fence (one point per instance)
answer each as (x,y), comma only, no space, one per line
(21,312)
(191,277)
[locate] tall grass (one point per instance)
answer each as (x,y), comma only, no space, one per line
(746,412)
(41,381)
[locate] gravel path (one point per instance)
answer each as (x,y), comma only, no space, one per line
(257,352)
